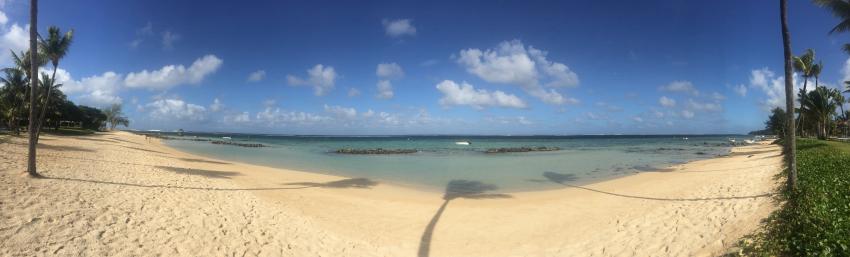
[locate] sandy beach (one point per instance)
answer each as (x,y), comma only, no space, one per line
(118,194)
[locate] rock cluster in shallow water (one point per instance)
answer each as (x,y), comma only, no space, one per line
(375,151)
(522,149)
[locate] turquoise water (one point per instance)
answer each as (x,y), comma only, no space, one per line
(439,160)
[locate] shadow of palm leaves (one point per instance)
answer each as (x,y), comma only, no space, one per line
(563,178)
(456,189)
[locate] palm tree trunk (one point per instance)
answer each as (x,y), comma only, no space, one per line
(33,123)
(790,141)
(803,98)
(46,102)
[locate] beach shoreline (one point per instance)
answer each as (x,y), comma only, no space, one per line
(698,208)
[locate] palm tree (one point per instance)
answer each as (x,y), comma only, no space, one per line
(49,84)
(55,47)
(820,104)
(115,116)
(805,65)
(31,169)
(13,95)
(841,10)
(790,141)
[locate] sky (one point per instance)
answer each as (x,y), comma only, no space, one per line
(435,67)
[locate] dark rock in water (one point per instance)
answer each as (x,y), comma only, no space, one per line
(237,144)
(375,151)
(700,153)
(522,149)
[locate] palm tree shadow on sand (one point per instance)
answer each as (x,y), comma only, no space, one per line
(456,189)
(565,178)
(343,183)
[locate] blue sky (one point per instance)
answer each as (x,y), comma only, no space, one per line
(404,67)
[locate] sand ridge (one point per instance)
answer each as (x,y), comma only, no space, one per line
(119,194)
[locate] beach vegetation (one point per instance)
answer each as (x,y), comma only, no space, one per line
(814,220)
(115,116)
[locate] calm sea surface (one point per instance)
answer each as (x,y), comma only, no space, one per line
(439,159)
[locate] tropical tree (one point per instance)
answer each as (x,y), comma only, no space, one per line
(13,96)
(820,105)
(841,10)
(33,123)
(790,142)
(776,122)
(115,116)
(54,48)
(805,64)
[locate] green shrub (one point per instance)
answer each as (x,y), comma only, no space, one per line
(815,219)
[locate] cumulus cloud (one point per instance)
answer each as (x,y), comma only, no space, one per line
(238,118)
(466,94)
(772,86)
(513,63)
(687,114)
(216,105)
(399,28)
(173,75)
(257,76)
(12,38)
(321,78)
(341,112)
(385,89)
(666,101)
(389,71)
(98,90)
(277,117)
(176,110)
(704,106)
(680,87)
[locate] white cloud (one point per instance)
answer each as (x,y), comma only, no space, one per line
(637,119)
(216,105)
(398,28)
(3,18)
(717,96)
(341,112)
(845,71)
(175,110)
(666,102)
(352,92)
(741,90)
(169,38)
(687,114)
(257,76)
(100,90)
(466,94)
(173,75)
(277,117)
(240,118)
(522,120)
(772,86)
(389,71)
(513,63)
(698,106)
(320,77)
(14,38)
(368,114)
(681,87)
(385,89)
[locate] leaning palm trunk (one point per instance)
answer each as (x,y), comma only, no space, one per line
(802,99)
(46,102)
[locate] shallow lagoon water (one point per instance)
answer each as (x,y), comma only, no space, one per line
(439,160)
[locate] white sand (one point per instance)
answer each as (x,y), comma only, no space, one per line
(116,194)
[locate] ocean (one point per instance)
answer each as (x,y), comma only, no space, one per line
(439,159)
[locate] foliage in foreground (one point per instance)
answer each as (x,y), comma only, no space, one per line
(815,220)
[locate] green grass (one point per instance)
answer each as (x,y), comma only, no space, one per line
(68,132)
(815,219)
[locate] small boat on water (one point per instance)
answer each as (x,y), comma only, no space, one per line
(226,138)
(748,141)
(463,143)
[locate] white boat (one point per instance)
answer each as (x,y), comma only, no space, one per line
(684,138)
(228,138)
(731,140)
(749,141)
(463,143)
